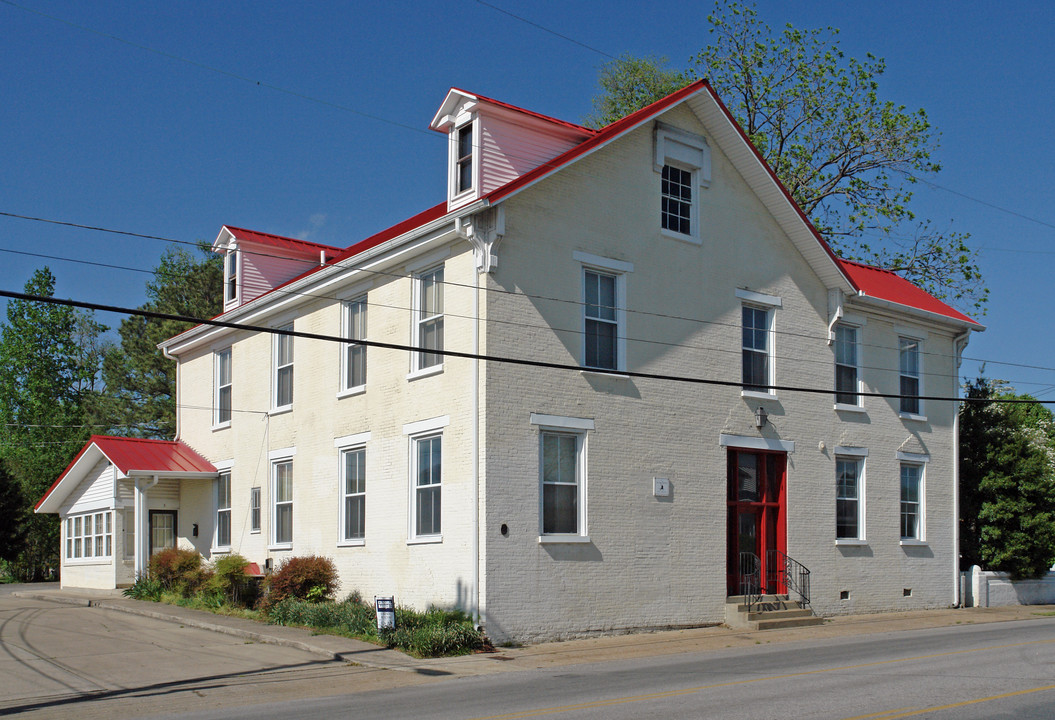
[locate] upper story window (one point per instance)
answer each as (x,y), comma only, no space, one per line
(223,510)
(602,328)
(756,348)
(353,495)
(909,369)
(282,392)
(464,160)
(353,355)
(223,388)
(230,276)
(683,160)
(911,501)
(254,510)
(846,366)
(428,311)
(676,210)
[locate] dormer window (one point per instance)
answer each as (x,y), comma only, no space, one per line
(230,276)
(464,164)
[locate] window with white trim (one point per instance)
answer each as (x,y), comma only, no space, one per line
(849,498)
(427,463)
(353,494)
(353,355)
(912,518)
(428,318)
(601,320)
(676,208)
(223,384)
(254,510)
(282,392)
(683,161)
(463,164)
(223,510)
(562,467)
(847,380)
(230,276)
(757,348)
(89,536)
(282,502)
(909,371)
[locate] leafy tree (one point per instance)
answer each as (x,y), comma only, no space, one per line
(1007,482)
(140,380)
(12,513)
(847,157)
(48,374)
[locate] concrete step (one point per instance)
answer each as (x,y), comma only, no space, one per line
(779,614)
(773,611)
(773,624)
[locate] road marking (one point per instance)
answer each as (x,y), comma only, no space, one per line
(893,714)
(688,691)
(882,715)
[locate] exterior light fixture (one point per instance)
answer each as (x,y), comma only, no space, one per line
(761,417)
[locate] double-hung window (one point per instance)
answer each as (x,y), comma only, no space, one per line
(683,161)
(353,495)
(911,501)
(428,330)
(223,510)
(849,498)
(756,349)
(846,366)
(283,359)
(676,200)
(353,357)
(604,311)
(254,510)
(282,503)
(428,486)
(464,160)
(909,369)
(223,388)
(230,277)
(562,477)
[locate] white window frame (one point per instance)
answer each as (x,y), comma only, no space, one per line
(689,152)
(345,445)
(353,327)
(89,537)
(770,304)
(457,159)
(618,270)
(219,421)
(276,459)
(580,428)
(222,510)
(416,433)
(857,456)
(231,277)
(920,413)
(418,358)
(255,511)
(856,405)
(276,350)
(920,463)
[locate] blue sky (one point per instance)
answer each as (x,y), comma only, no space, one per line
(161,118)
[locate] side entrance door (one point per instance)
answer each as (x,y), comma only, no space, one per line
(756,524)
(162,530)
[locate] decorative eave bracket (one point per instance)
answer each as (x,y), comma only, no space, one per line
(484,231)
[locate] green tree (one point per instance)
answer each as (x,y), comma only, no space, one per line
(12,514)
(1007,482)
(140,381)
(848,158)
(47,378)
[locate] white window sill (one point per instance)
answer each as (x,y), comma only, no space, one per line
(910,542)
(425,540)
(851,542)
(691,239)
(596,372)
(758,395)
(845,407)
(220,550)
(255,532)
(280,548)
(563,539)
(351,543)
(357,390)
(280,410)
(912,416)
(89,561)
(425,372)
(221,426)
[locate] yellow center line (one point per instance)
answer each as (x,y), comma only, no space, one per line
(894,714)
(688,691)
(881,715)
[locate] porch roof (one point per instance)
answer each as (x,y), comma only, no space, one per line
(133,457)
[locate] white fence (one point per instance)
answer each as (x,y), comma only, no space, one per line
(982,588)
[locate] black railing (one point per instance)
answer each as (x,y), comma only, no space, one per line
(750,578)
(788,573)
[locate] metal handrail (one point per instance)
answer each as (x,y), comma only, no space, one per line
(789,573)
(750,578)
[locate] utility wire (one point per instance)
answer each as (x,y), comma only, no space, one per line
(478,356)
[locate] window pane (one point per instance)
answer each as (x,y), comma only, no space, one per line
(909,389)
(560,512)
(223,528)
(747,477)
(354,517)
(846,384)
(600,344)
(284,392)
(284,523)
(284,482)
(428,521)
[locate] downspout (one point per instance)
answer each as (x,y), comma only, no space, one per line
(139,504)
(959,343)
(476,451)
(170,356)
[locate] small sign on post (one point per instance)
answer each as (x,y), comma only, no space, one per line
(385,607)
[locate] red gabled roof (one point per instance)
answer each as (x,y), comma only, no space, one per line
(139,455)
(279,241)
(532,113)
(433,213)
(888,285)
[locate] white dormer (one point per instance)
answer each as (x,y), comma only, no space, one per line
(491,143)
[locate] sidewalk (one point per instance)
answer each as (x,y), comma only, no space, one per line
(570,652)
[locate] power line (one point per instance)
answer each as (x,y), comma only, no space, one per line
(545,29)
(476,356)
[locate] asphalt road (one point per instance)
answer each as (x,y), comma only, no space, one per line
(1004,670)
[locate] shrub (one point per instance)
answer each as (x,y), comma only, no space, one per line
(179,570)
(300,578)
(229,583)
(144,588)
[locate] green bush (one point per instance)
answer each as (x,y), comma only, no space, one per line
(144,588)
(310,577)
(229,583)
(179,570)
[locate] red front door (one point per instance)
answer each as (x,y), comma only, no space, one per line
(756,520)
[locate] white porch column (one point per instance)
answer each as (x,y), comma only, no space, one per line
(142,525)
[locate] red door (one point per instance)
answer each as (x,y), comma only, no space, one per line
(756,521)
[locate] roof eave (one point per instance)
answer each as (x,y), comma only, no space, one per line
(920,313)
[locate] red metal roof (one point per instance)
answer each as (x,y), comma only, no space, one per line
(282,242)
(532,113)
(136,454)
(888,285)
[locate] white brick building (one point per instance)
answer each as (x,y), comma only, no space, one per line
(659,288)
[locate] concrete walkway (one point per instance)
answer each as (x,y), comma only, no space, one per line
(570,652)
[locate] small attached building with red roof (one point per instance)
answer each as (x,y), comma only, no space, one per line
(614,380)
